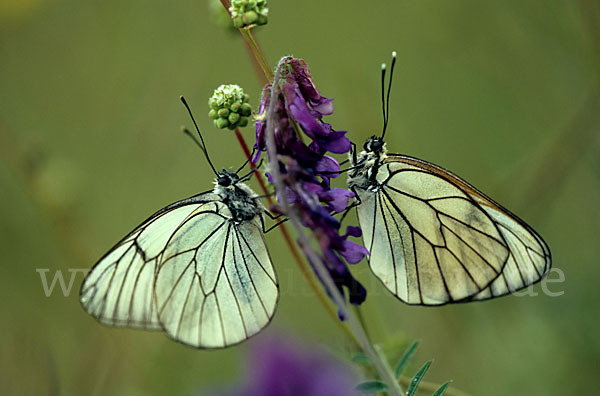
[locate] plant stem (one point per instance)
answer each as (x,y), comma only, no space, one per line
(361,319)
(251,42)
(253,47)
(302,265)
(381,366)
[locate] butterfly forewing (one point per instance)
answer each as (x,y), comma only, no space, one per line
(435,239)
(118,290)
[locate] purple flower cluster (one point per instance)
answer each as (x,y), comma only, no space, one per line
(307,170)
(280,367)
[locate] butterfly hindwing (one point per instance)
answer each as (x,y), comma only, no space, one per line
(215,286)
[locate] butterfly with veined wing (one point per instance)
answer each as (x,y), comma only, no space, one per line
(435,239)
(197,269)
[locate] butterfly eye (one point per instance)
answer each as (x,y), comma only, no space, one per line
(376,145)
(224,181)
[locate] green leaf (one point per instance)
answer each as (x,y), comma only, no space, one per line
(361,358)
(370,387)
(404,359)
(442,389)
(414,383)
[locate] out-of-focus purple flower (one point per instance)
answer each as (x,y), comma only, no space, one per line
(307,170)
(283,368)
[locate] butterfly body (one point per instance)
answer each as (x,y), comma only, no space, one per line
(241,201)
(364,177)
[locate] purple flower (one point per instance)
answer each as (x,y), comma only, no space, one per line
(283,368)
(307,170)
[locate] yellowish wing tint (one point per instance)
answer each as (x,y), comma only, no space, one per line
(435,239)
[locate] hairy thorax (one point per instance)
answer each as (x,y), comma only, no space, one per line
(241,201)
(367,165)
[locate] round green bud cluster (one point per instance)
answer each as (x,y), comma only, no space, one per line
(229,107)
(248,12)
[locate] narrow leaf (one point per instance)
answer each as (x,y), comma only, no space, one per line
(441,390)
(414,383)
(370,387)
(361,358)
(404,359)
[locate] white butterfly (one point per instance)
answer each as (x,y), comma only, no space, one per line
(434,238)
(197,269)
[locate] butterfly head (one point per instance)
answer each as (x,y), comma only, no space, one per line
(238,197)
(374,145)
(374,151)
(226,183)
(226,179)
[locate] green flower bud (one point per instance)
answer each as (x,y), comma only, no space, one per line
(247,13)
(262,19)
(235,107)
(223,112)
(213,114)
(243,122)
(233,118)
(238,21)
(245,109)
(221,123)
(250,17)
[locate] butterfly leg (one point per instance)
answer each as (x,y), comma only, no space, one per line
(354,204)
(272,217)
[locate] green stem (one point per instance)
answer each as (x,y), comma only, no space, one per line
(251,42)
(361,320)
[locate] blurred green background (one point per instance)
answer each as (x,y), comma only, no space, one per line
(506,94)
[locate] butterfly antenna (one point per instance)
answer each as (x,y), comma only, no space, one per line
(386,103)
(248,175)
(383,68)
(247,161)
(202,145)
